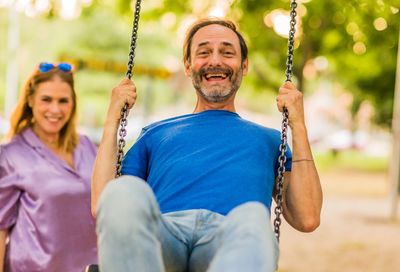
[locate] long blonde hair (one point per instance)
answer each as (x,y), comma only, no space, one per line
(22,116)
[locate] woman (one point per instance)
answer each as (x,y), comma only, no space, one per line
(45,174)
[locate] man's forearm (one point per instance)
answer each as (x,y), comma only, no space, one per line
(303,193)
(105,163)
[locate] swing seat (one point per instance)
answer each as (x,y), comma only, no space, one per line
(92,268)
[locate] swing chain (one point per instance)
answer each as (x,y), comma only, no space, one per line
(124,111)
(283,146)
(292,31)
(281,171)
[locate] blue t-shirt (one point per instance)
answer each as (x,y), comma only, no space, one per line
(212,160)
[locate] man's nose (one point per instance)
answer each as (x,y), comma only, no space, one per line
(215,59)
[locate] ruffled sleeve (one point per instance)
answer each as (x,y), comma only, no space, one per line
(9,191)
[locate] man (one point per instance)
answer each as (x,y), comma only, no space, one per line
(197,189)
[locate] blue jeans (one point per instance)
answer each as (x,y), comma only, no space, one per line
(133,235)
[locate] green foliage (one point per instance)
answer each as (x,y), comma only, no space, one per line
(350,160)
(370,75)
(326,31)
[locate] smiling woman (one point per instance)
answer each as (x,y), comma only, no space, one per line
(45,209)
(48,92)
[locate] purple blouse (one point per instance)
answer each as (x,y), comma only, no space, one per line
(45,205)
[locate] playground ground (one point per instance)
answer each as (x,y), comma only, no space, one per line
(356,233)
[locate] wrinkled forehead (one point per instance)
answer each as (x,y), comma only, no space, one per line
(215,34)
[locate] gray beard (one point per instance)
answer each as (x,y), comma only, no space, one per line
(218,95)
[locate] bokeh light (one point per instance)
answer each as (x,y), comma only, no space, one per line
(359,48)
(380,24)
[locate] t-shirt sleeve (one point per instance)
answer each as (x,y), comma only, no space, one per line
(288,163)
(135,162)
(9,192)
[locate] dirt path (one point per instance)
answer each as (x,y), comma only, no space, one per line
(355,234)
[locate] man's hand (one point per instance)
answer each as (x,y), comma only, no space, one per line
(291,99)
(123,93)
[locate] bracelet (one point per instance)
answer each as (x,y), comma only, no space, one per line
(300,160)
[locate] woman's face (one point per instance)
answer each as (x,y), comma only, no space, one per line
(52,105)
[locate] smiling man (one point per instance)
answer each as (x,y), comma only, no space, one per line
(196,189)
(216,66)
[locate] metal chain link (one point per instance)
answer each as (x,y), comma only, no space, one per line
(124,112)
(283,146)
(292,32)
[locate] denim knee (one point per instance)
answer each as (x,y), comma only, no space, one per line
(251,220)
(247,242)
(126,202)
(250,217)
(251,212)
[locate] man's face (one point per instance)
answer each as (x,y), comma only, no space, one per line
(216,65)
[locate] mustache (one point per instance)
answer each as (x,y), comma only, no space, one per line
(225,70)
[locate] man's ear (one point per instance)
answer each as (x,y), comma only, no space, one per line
(245,66)
(187,68)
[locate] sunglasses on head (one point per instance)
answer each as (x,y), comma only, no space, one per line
(47,66)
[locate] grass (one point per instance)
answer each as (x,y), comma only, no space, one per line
(350,160)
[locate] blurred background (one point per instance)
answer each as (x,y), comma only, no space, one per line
(345,62)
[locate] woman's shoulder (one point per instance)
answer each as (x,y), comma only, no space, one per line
(12,151)
(16,144)
(86,143)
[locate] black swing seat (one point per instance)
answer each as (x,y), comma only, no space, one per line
(92,268)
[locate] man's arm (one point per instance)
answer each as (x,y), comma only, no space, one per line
(106,158)
(302,193)
(3,237)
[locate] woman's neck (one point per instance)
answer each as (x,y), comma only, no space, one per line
(52,142)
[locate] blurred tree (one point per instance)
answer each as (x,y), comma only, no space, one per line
(359,39)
